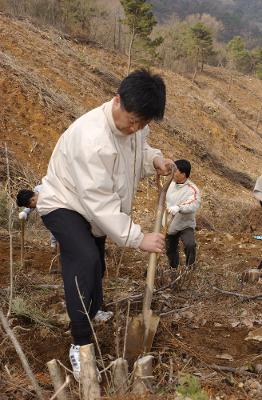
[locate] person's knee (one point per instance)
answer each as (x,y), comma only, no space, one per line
(173,258)
(173,264)
(87,256)
(191,247)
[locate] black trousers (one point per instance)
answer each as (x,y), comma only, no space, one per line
(82,258)
(187,237)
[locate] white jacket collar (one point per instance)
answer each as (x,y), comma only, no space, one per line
(180,185)
(110,119)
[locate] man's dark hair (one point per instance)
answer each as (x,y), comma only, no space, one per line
(23,197)
(184,166)
(143,94)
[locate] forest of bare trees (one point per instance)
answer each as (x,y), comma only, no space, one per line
(182,44)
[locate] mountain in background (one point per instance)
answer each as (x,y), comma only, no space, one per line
(239,17)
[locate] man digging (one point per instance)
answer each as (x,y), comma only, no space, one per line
(87,193)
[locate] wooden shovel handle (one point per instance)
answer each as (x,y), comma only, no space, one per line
(151,270)
(22,250)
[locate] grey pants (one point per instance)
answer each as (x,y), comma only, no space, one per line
(187,237)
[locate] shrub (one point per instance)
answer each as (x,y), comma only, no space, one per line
(259,71)
(22,307)
(189,386)
(3,210)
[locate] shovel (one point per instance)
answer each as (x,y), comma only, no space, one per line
(22,250)
(142,328)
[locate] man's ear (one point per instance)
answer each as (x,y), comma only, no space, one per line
(117,99)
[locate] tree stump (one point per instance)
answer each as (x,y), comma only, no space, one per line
(143,378)
(57,379)
(120,375)
(89,373)
(252,275)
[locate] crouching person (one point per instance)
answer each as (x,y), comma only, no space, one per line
(258,190)
(182,201)
(27,198)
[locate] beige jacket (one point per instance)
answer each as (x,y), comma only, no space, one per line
(258,188)
(92,172)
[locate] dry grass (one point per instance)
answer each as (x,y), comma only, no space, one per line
(27,308)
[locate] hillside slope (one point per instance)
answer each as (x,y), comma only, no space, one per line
(47,81)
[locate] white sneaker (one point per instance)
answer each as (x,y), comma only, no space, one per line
(103,316)
(74,356)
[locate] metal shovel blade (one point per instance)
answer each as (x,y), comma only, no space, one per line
(135,338)
(150,331)
(139,337)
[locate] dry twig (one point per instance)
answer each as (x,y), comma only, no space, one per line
(236,371)
(21,355)
(92,328)
(52,261)
(62,387)
(245,297)
(140,296)
(10,226)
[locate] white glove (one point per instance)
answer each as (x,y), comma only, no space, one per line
(22,215)
(53,242)
(173,210)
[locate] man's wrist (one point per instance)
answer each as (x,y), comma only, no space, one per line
(155,161)
(138,241)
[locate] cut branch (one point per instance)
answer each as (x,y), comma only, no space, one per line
(245,297)
(236,371)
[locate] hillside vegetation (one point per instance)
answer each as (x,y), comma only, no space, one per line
(47,80)
(239,17)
